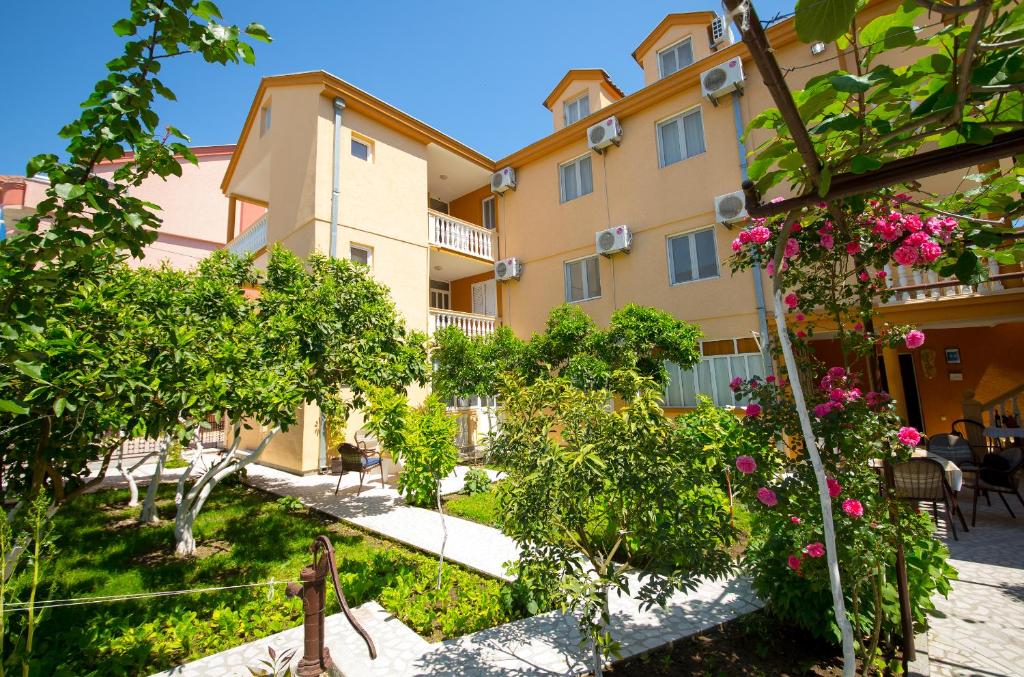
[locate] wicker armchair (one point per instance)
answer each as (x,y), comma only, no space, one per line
(924,479)
(1000,474)
(361,457)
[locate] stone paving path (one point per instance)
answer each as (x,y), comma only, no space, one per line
(383,511)
(541,645)
(979,630)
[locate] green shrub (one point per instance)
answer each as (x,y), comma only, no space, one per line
(175,457)
(477,481)
(482,508)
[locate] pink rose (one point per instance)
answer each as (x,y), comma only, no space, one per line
(767,497)
(799,317)
(792,248)
(914,339)
(794,562)
(853,248)
(746,464)
(827,241)
(801,334)
(853,508)
(863,276)
(909,436)
(737,245)
(834,488)
(791,300)
(794,519)
(859,326)
(769,379)
(744,237)
(905,255)
(736,383)
(760,234)
(753,410)
(815,550)
(930,251)
(822,410)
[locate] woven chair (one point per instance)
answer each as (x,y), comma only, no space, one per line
(924,479)
(361,457)
(974,432)
(999,477)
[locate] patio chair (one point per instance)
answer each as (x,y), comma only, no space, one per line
(999,474)
(955,448)
(360,459)
(924,479)
(974,432)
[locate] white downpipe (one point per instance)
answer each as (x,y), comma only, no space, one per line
(811,442)
(339,106)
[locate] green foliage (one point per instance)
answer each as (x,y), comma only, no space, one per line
(175,459)
(477,481)
(481,507)
(624,487)
(421,439)
(638,337)
(103,552)
(824,20)
(290,504)
(53,259)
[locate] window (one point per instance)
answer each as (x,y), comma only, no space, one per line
(264,120)
(576,178)
(487,207)
(680,137)
(577,109)
(361,254)
(712,374)
(692,256)
(362,149)
(582,279)
(440,295)
(675,58)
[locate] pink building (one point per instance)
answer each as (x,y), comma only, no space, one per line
(193,208)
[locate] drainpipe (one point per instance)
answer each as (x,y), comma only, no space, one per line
(762,312)
(339,106)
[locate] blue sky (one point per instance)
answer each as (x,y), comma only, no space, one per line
(477,71)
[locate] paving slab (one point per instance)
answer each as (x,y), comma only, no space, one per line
(979,629)
(382,510)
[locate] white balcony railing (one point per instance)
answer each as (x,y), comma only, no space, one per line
(924,285)
(458,235)
(252,239)
(471,324)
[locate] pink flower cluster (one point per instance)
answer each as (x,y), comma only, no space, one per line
(921,238)
(839,384)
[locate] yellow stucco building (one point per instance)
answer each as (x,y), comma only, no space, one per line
(466,240)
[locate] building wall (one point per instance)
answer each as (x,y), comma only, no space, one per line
(597,97)
(698,34)
(469,207)
(462,292)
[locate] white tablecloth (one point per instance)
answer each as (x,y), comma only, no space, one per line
(954,475)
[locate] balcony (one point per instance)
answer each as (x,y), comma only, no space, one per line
(457,235)
(252,239)
(471,324)
(917,285)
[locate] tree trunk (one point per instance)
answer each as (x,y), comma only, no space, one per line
(811,443)
(192,501)
(444,529)
(149,514)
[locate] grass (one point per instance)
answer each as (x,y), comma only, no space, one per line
(482,507)
(243,536)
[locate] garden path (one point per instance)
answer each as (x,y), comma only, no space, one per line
(978,629)
(382,510)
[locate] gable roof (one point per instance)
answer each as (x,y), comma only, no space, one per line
(677,19)
(576,74)
(358,100)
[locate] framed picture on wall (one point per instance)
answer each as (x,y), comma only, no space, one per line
(952,356)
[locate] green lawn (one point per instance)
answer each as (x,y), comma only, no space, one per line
(244,536)
(481,507)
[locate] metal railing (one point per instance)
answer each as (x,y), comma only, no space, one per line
(252,239)
(471,324)
(458,235)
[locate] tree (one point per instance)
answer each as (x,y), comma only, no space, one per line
(596,495)
(66,384)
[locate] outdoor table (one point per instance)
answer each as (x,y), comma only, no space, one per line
(954,475)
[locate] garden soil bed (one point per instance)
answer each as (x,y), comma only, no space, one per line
(757,645)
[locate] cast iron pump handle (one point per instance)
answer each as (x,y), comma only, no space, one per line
(316,657)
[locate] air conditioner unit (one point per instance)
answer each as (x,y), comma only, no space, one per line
(614,240)
(503,179)
(722,79)
(508,269)
(604,134)
(719,32)
(731,207)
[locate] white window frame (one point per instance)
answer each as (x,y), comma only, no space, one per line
(576,161)
(574,103)
(583,274)
(265,119)
(682,136)
(693,255)
(711,389)
(488,207)
(361,247)
(674,46)
(362,142)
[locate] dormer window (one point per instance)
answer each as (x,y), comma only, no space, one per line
(675,57)
(577,109)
